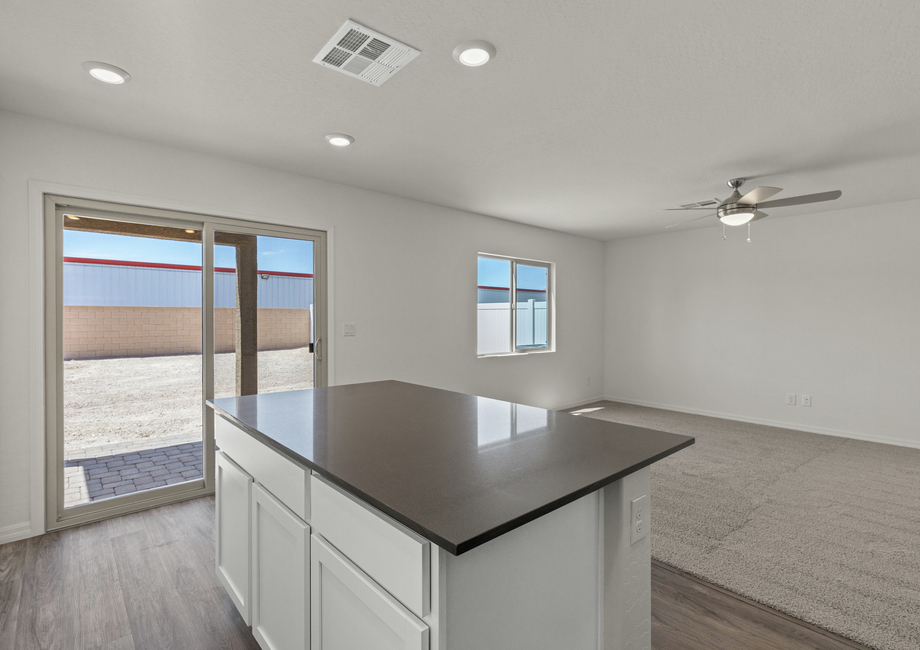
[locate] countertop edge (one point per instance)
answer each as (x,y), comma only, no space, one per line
(498,531)
(450,547)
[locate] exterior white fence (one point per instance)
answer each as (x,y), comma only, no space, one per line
(493,326)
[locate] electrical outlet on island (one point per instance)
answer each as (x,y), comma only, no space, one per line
(638,519)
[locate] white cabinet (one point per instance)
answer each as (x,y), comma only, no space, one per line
(263,542)
(348,610)
(232,521)
(280,575)
(392,555)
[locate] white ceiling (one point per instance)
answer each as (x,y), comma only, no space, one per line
(594,115)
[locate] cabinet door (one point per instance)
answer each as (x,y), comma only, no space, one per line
(232,523)
(280,575)
(348,610)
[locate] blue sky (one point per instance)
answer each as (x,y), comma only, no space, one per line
(275,254)
(497,273)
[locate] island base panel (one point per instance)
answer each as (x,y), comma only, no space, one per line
(627,569)
(570,579)
(534,587)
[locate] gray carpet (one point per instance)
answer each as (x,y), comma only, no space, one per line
(822,528)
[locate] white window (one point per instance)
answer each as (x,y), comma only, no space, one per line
(515,305)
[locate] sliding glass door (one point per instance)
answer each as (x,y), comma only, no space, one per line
(263,313)
(131,328)
(148,314)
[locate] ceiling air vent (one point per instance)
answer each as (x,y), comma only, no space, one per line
(363,53)
(701,204)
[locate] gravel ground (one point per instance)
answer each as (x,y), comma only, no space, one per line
(133,399)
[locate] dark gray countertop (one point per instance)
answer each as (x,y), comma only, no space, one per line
(459,470)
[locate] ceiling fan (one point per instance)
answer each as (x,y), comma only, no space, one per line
(738,210)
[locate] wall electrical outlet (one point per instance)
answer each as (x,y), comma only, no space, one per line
(806,400)
(790,399)
(638,519)
(349,329)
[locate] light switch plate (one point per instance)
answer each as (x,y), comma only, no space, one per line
(638,519)
(349,329)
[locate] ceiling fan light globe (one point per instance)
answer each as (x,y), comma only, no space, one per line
(737,219)
(736,216)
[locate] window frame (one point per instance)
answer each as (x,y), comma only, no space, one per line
(550,306)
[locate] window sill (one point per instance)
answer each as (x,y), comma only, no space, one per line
(514,354)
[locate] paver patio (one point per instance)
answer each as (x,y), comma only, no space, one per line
(129,422)
(108,473)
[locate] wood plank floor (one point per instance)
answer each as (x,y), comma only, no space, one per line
(690,614)
(138,582)
(147,581)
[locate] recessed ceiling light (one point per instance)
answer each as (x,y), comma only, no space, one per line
(339,139)
(109,74)
(474,53)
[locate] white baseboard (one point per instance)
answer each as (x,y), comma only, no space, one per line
(825,431)
(582,402)
(15,533)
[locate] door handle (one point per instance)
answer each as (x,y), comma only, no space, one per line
(318,349)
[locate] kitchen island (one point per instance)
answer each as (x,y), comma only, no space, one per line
(392,515)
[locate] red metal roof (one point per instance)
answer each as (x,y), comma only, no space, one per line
(181,267)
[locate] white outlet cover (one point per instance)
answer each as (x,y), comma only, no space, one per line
(639,519)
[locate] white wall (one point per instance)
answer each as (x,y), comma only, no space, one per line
(826,305)
(389,255)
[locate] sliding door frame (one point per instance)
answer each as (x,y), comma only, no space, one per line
(55,206)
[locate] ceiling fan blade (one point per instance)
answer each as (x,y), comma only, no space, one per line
(800,200)
(759,194)
(759,215)
(685,209)
(689,220)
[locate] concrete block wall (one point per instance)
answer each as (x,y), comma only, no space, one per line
(279,329)
(94,332)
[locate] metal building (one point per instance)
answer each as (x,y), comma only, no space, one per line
(147,284)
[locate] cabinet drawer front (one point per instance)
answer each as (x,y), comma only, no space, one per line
(348,610)
(391,554)
(280,476)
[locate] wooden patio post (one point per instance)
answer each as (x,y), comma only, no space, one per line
(247,327)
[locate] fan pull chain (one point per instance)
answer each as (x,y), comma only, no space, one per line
(749,232)
(723,232)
